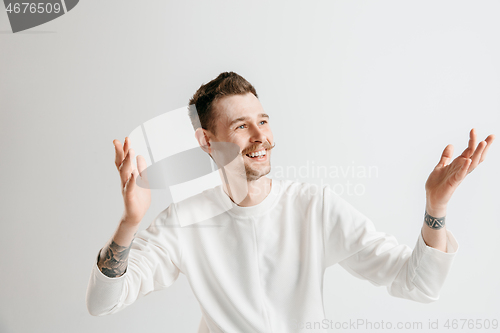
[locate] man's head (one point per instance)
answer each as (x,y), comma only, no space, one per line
(229,110)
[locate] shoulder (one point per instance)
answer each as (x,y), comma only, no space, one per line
(166,216)
(170,215)
(200,207)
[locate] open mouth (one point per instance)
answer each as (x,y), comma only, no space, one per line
(260,155)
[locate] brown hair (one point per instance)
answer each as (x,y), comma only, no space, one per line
(226,84)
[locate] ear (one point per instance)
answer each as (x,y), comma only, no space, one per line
(203,140)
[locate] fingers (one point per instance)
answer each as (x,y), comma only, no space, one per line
(124,157)
(123,160)
(480,152)
(130,184)
(446,156)
(489,140)
(477,155)
(467,153)
(119,155)
(470,151)
(464,169)
(121,152)
(472,143)
(126,145)
(127,167)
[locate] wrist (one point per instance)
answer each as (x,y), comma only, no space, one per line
(128,225)
(435,209)
(129,220)
(436,212)
(434,222)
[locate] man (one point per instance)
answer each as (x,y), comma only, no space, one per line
(259,265)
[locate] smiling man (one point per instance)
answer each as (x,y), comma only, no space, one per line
(259,265)
(241,120)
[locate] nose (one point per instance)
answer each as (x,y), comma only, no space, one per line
(257,134)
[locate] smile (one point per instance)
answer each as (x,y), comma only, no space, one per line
(258,155)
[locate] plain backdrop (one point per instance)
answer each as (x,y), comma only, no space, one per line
(386,84)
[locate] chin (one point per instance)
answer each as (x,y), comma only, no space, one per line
(253,175)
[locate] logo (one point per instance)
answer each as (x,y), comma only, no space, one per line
(176,163)
(26,15)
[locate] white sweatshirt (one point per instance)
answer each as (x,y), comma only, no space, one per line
(261,268)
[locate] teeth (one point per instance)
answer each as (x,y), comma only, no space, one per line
(259,153)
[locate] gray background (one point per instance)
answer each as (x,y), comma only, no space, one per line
(347,83)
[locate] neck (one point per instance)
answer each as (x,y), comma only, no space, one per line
(257,191)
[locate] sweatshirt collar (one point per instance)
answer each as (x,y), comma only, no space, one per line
(251,211)
(215,201)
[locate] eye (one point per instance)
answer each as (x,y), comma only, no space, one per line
(240,126)
(264,121)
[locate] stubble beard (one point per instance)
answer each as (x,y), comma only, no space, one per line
(254,174)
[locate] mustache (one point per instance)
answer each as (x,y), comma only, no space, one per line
(257,147)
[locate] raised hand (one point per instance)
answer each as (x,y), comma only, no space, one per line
(446,176)
(136,199)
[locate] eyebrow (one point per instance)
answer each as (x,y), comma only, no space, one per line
(245,118)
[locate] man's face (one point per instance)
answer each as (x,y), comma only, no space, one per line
(242,120)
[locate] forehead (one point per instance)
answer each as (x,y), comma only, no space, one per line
(236,106)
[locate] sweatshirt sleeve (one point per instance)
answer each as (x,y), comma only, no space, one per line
(352,241)
(152,265)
